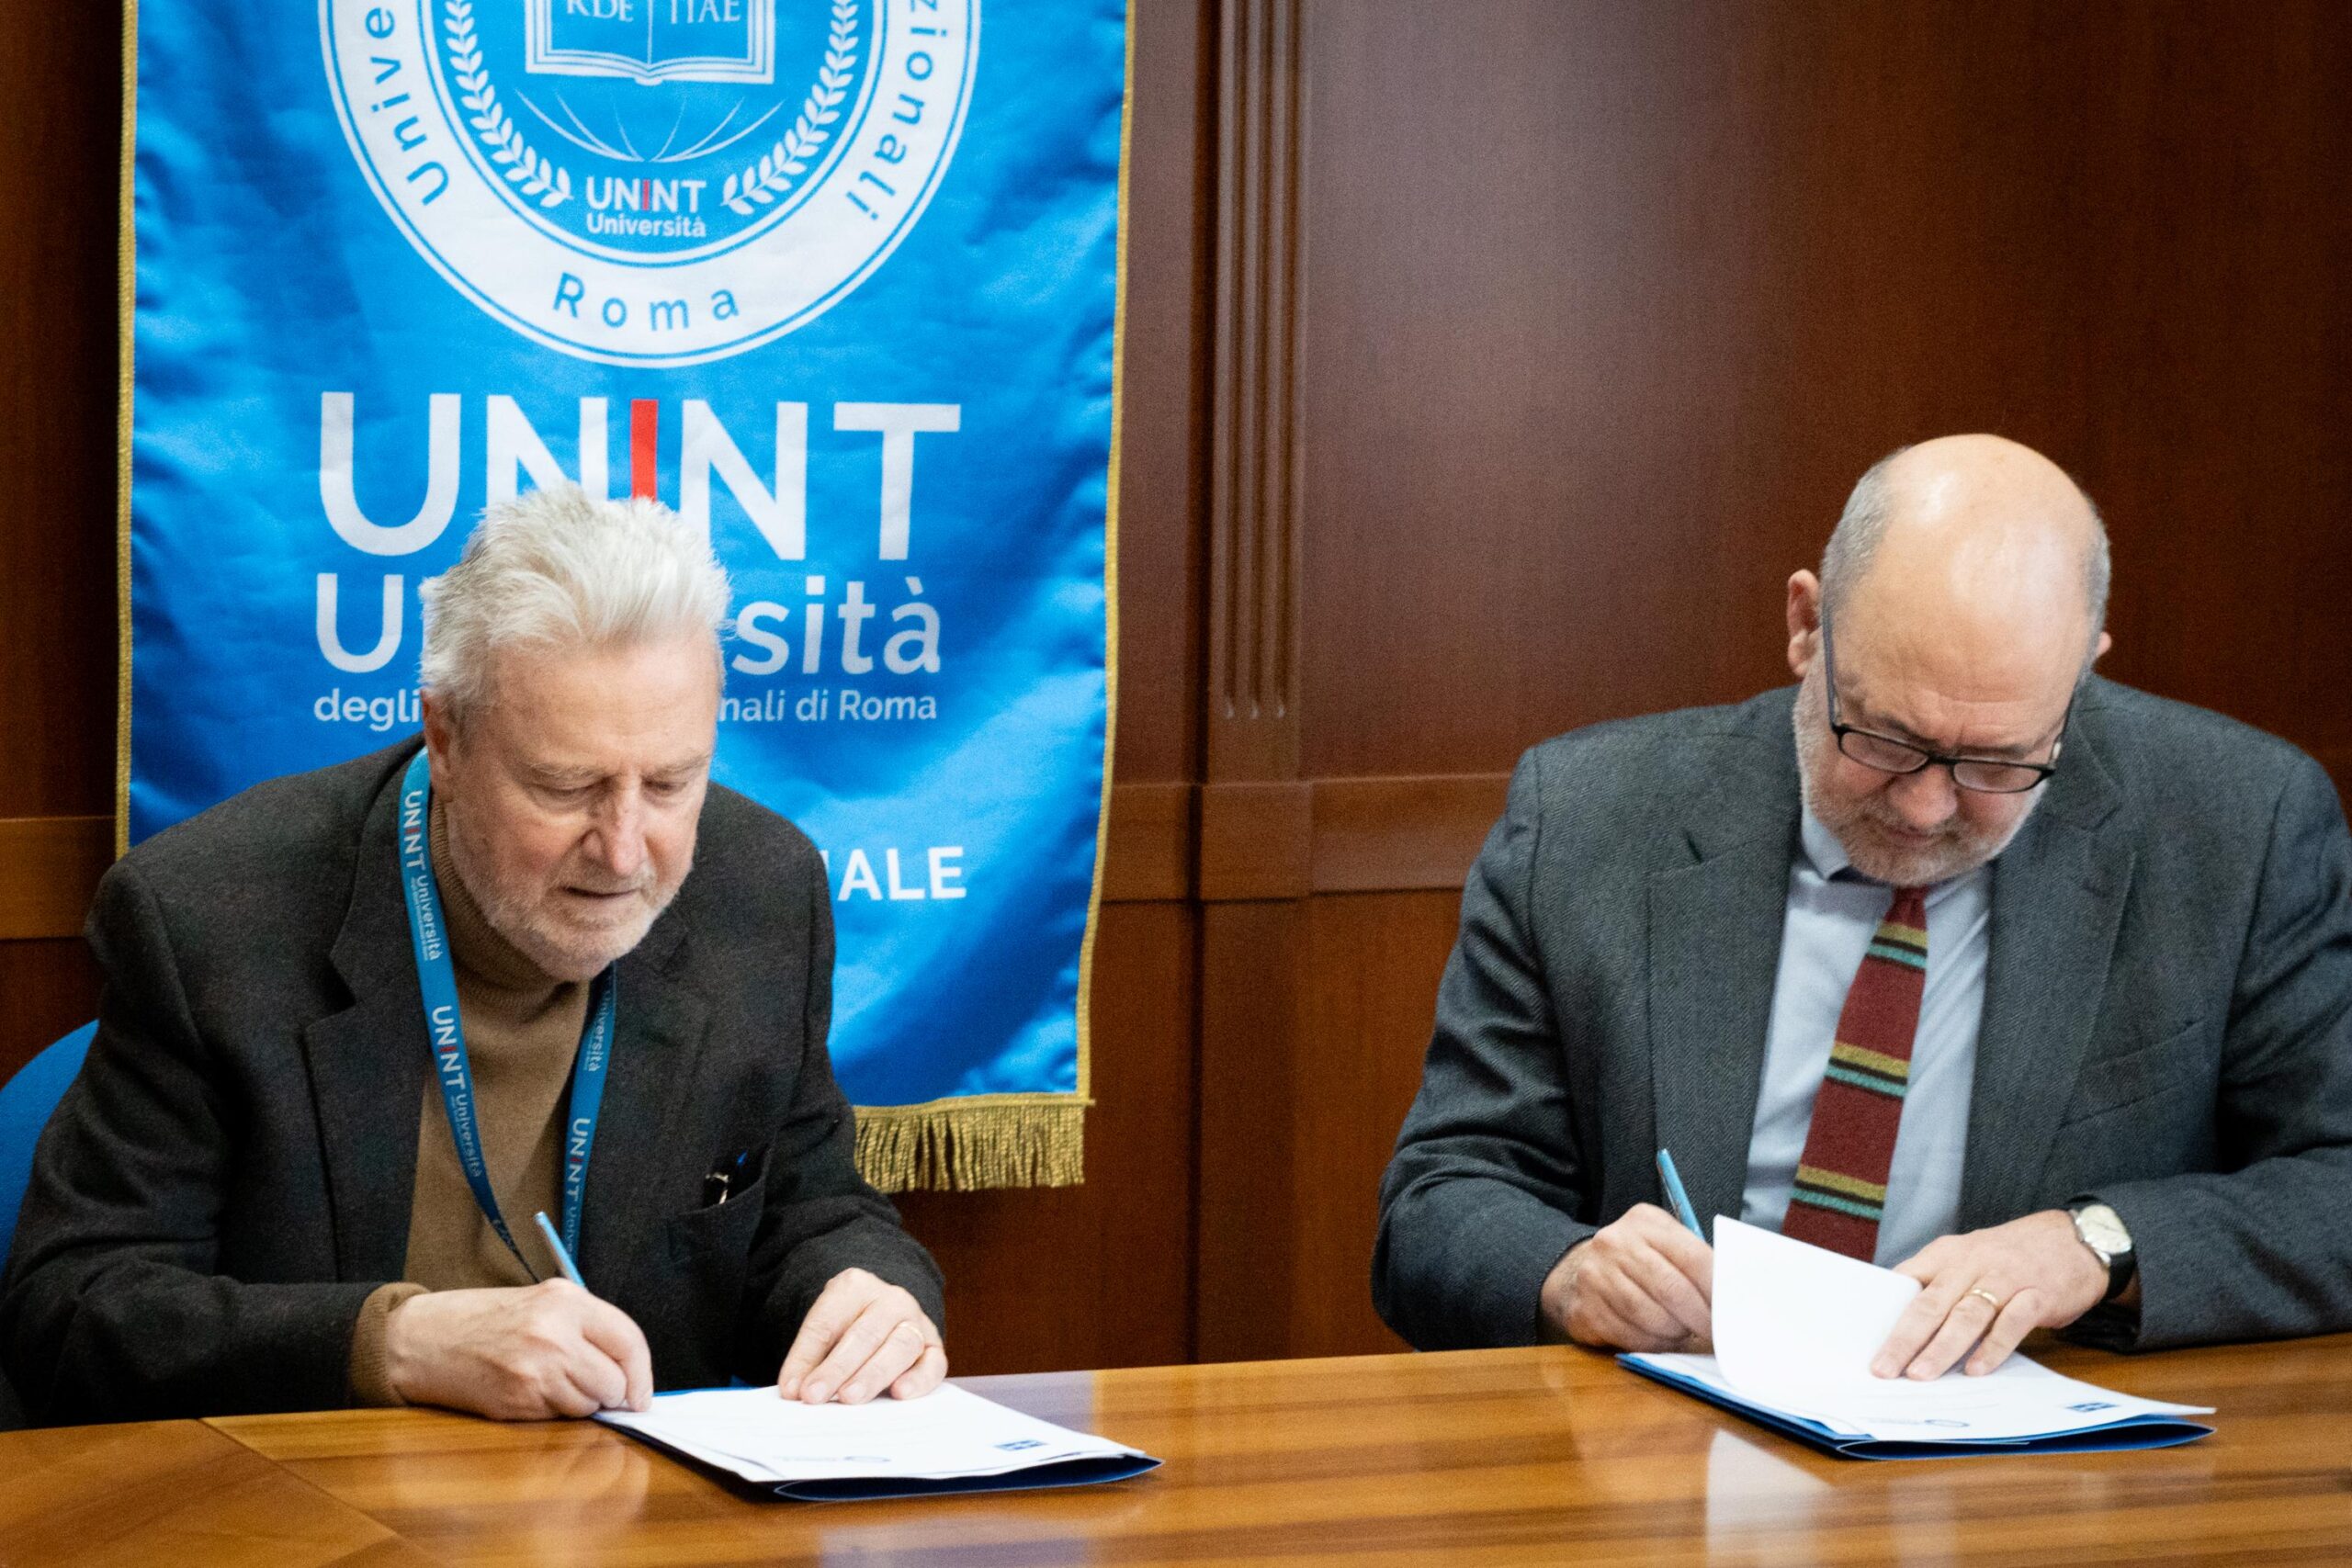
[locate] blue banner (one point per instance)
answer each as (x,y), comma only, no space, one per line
(835,278)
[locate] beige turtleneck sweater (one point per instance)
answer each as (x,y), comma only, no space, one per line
(521,1032)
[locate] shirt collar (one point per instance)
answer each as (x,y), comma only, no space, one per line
(1821,847)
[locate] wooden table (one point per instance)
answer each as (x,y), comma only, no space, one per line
(1486,1457)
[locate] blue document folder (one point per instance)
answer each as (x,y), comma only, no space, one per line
(2100,1432)
(1795,1326)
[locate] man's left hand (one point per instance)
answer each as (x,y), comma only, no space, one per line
(863,1336)
(1989,1289)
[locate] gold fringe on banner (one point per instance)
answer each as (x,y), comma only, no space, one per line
(984,1140)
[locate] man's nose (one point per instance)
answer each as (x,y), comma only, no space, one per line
(620,837)
(1925,799)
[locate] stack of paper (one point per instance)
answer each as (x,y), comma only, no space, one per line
(1795,1329)
(950,1440)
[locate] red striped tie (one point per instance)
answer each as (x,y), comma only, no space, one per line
(1840,1191)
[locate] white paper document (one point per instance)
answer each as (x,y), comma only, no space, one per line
(950,1439)
(1796,1325)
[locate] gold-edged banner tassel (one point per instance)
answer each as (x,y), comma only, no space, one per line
(951,1147)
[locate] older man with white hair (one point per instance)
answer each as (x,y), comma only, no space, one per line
(361,1025)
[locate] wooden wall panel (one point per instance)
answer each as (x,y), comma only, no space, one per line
(1248,1282)
(1164,397)
(1254,545)
(46,987)
(48,865)
(58,90)
(59,84)
(1372,968)
(1256,817)
(1098,1275)
(1587,372)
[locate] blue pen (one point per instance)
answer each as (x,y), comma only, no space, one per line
(1679,1199)
(572,1271)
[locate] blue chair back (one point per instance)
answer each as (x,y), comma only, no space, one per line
(25,1102)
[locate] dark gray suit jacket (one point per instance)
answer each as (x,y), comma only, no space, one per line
(231,1174)
(2167,1017)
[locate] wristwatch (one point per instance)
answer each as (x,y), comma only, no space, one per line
(2101,1229)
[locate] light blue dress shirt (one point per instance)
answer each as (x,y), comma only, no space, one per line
(1833,910)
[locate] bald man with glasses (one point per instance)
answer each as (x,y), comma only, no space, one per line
(1956,957)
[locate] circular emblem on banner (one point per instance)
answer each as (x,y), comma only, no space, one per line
(653,182)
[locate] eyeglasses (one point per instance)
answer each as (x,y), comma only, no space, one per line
(1987,775)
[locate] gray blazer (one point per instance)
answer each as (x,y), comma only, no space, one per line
(231,1173)
(2167,1016)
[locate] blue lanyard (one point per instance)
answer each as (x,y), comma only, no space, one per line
(428,935)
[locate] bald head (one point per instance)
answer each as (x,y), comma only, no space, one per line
(1983,537)
(1965,586)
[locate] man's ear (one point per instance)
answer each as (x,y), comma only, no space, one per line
(1805,621)
(440,739)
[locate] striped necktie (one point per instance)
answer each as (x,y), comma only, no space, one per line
(1841,1181)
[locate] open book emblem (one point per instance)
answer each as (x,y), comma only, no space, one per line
(653,182)
(653,40)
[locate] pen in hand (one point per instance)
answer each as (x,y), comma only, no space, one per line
(1676,1196)
(562,1253)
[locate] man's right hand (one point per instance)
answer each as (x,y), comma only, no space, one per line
(524,1353)
(1642,1282)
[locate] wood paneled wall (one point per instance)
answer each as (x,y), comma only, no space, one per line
(61,77)
(1489,366)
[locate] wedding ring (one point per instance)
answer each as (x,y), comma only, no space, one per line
(1990,1299)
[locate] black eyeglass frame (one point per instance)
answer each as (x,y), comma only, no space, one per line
(1926,758)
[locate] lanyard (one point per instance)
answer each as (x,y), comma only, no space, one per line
(437,977)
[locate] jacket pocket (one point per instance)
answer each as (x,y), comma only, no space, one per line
(710,1247)
(2111,1083)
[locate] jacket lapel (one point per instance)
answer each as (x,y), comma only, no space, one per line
(2058,896)
(368,1063)
(658,1038)
(1716,919)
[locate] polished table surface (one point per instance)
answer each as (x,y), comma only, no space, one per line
(1484,1457)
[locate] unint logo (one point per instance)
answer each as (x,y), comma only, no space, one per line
(653,182)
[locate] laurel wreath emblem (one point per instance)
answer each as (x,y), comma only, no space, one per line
(766,181)
(537,177)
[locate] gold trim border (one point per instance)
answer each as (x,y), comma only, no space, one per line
(975,1142)
(126,325)
(1109,571)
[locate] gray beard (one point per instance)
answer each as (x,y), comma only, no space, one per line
(514,918)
